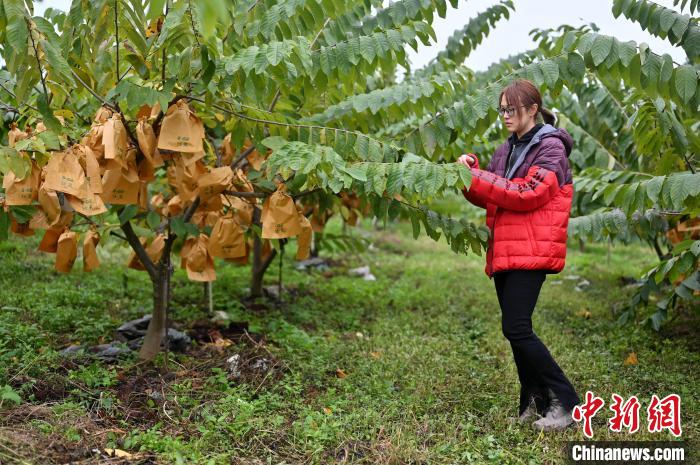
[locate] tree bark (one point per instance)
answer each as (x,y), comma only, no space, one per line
(156,328)
(161,299)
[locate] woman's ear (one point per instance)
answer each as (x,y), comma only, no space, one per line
(532,111)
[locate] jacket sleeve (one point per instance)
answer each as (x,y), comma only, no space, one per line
(471,195)
(522,194)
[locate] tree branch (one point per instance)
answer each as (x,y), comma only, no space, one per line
(139,250)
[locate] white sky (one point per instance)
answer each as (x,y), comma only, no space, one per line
(511,36)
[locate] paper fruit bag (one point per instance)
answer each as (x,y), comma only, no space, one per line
(227,239)
(304,240)
(48,199)
(90,260)
(215,182)
(64,174)
(148,143)
(90,206)
(49,243)
(199,263)
(20,229)
(244,210)
(154,251)
(66,251)
(118,190)
(22,191)
(280,218)
(15,135)
(114,139)
(181,130)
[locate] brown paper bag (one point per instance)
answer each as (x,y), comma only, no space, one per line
(66,251)
(48,200)
(154,251)
(304,240)
(227,151)
(319,219)
(146,138)
(39,220)
(243,260)
(102,115)
(91,167)
(199,263)
(255,159)
(280,218)
(190,158)
(186,177)
(185,251)
(22,191)
(244,210)
(20,229)
(227,239)
(215,182)
(15,135)
(203,218)
(157,203)
(175,206)
(181,130)
(90,260)
(117,190)
(114,139)
(241,182)
(64,174)
(90,206)
(49,243)
(214,204)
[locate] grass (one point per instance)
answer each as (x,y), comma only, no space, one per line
(410,368)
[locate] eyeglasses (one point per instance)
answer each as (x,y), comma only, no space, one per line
(510,111)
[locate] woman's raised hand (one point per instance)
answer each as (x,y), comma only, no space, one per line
(469,160)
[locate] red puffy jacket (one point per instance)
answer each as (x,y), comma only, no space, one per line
(527,212)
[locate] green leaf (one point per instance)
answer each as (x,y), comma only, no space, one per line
(50,120)
(57,63)
(127,213)
(9,394)
(153,220)
(4,225)
(177,225)
(686,82)
(550,70)
(601,48)
(276,52)
(274,142)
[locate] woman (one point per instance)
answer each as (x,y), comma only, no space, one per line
(527,191)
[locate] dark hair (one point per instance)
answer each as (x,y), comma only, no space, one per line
(524,92)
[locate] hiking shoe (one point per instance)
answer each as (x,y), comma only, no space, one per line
(556,419)
(529,414)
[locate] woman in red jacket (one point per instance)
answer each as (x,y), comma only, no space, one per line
(527,191)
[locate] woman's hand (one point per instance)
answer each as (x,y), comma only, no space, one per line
(469,160)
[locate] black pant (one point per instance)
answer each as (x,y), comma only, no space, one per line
(518,291)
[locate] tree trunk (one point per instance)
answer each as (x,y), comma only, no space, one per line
(161,301)
(316,245)
(156,328)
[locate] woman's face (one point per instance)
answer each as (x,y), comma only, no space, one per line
(519,118)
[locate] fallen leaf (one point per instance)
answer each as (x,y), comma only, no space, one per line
(631,359)
(584,314)
(340,373)
(118,453)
